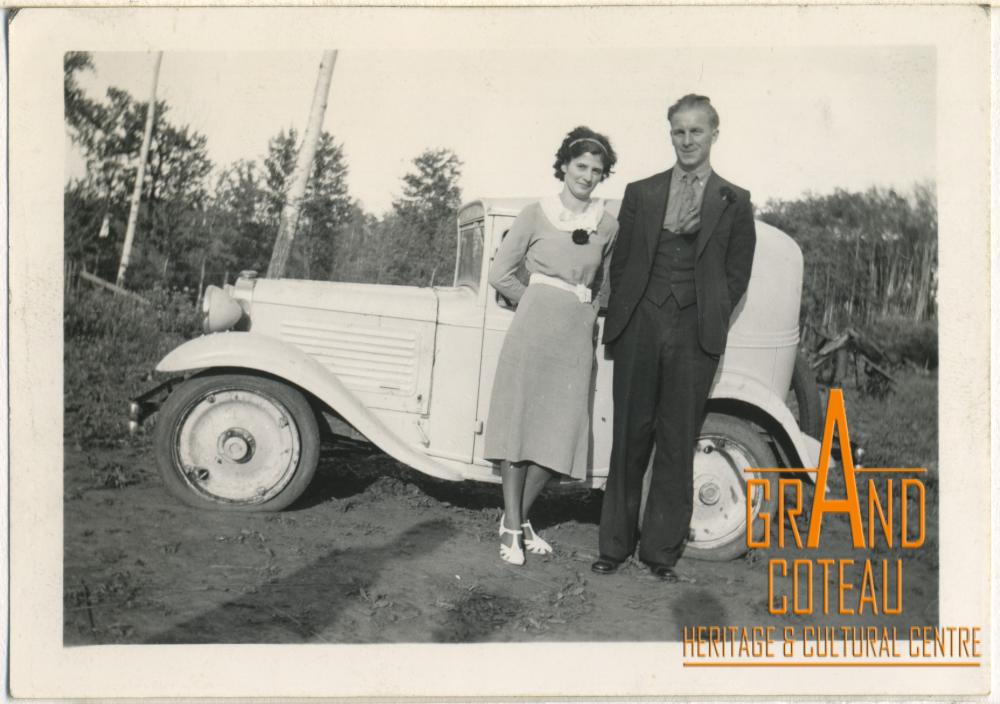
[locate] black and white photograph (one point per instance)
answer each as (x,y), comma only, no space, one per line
(523,336)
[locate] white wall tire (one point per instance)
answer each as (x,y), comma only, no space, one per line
(726,446)
(237,442)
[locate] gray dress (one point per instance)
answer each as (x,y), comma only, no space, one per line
(540,404)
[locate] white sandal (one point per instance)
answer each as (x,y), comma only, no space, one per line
(511,553)
(536,543)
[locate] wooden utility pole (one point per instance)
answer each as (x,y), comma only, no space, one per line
(133,211)
(303,167)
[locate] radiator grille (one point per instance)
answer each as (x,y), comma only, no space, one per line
(364,358)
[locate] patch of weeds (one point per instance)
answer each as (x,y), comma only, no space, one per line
(110,555)
(476,616)
(368,528)
(564,605)
(901,429)
(98,327)
(120,630)
(391,487)
(119,587)
(374,599)
(114,475)
(382,609)
(244,536)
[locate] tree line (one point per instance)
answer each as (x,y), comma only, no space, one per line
(199,225)
(869,256)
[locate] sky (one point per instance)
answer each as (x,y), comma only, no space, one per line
(793,119)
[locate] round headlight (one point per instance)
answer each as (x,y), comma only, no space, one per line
(219,310)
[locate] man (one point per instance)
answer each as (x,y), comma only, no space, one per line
(681,263)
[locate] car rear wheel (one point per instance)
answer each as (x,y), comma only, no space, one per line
(725,447)
(237,442)
(803,398)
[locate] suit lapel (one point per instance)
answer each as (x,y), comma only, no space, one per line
(712,207)
(658,194)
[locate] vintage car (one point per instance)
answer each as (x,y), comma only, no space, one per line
(410,370)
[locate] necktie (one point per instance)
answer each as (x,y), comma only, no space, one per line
(689,218)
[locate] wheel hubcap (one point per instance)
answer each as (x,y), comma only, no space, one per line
(238,446)
(708,494)
(719,513)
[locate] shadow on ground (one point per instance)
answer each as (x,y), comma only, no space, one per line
(476,616)
(300,606)
(696,608)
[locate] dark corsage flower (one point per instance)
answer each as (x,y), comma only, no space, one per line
(727,194)
(581,236)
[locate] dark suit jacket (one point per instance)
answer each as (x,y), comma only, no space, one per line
(724,251)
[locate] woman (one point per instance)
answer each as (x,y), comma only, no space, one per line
(539,419)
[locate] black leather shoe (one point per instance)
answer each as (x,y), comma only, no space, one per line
(605,565)
(664,573)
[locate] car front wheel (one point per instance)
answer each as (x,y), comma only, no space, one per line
(237,442)
(725,447)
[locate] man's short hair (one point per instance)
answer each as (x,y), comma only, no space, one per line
(692,100)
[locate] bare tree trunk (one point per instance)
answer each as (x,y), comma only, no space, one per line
(827,306)
(924,282)
(201,280)
(303,167)
(854,277)
(890,287)
(133,212)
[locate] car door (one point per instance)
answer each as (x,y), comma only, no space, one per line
(496,321)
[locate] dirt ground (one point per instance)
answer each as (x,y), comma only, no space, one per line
(375,552)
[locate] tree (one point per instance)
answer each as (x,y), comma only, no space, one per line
(326,207)
(83,115)
(239,227)
(432,189)
(868,256)
(170,235)
(422,223)
(289,220)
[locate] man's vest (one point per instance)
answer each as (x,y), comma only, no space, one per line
(673,269)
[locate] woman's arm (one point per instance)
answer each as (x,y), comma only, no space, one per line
(510,254)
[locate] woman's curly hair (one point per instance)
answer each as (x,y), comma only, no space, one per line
(582,140)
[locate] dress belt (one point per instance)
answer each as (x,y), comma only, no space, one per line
(579,290)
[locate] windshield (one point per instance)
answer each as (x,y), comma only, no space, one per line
(470,255)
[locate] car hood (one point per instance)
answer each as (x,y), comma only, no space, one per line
(408,302)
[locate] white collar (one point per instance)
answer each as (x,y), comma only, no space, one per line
(562,218)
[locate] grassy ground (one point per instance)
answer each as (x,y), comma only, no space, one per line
(900,430)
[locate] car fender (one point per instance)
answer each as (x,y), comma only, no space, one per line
(745,389)
(280,359)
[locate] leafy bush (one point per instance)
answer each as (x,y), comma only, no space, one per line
(867,254)
(900,430)
(905,340)
(111,344)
